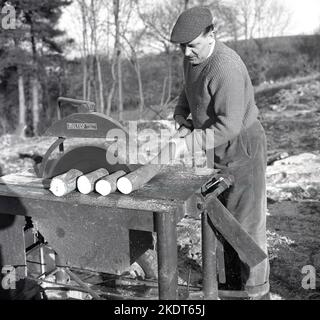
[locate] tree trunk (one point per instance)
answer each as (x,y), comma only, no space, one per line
(116,8)
(101,91)
(84,81)
(169,77)
(167,83)
(22,104)
(116,53)
(96,86)
(120,91)
(141,96)
(90,77)
(34,82)
(164,87)
(35,105)
(98,66)
(110,95)
(85,49)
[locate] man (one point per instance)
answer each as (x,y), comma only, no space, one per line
(219,96)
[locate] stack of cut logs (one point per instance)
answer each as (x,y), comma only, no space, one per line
(101,181)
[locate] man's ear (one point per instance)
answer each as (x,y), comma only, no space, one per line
(210,36)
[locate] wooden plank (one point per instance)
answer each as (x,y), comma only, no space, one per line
(249,252)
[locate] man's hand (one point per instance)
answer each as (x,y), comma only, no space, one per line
(181,121)
(183,132)
(185,126)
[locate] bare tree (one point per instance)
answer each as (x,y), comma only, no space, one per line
(261,18)
(116,61)
(279,19)
(94,9)
(22,104)
(159,21)
(22,100)
(134,43)
(84,51)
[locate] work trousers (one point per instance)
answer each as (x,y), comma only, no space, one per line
(245,157)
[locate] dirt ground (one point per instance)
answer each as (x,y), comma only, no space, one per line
(291,118)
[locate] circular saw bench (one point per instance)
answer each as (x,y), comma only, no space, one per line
(108,234)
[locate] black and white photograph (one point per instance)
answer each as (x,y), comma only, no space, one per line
(159,150)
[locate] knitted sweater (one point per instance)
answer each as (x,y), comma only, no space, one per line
(219,95)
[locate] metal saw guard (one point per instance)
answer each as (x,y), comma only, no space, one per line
(86,158)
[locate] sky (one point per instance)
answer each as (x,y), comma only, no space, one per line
(305,16)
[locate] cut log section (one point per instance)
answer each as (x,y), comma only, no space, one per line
(108,184)
(136,179)
(65,183)
(86,183)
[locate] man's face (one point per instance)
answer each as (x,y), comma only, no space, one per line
(197,50)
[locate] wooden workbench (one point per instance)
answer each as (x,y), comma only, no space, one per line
(94,232)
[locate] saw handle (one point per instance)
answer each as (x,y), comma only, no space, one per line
(83,105)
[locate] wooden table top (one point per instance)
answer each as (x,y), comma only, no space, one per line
(166,192)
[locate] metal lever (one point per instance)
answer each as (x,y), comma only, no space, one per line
(217,185)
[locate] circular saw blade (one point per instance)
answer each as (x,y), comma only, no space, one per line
(85,159)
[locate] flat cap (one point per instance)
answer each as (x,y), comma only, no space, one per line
(190,24)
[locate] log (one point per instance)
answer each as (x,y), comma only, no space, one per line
(136,179)
(108,184)
(65,183)
(273,88)
(86,183)
(276,157)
